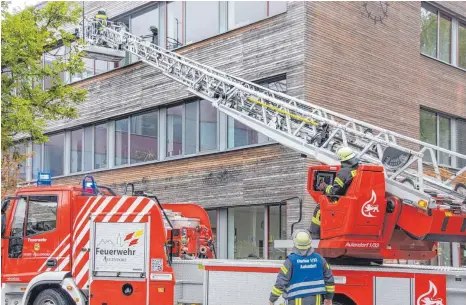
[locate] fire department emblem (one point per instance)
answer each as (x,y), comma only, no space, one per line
(370,207)
(36,247)
(428,298)
(133,238)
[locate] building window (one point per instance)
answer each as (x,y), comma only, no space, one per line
(140,25)
(174,24)
(240,134)
(445,39)
(429,30)
(190,128)
(174,131)
(54,155)
(76,150)
(437,39)
(213,223)
(462,45)
(100,146)
(121,142)
(42,214)
(144,137)
(276,7)
(87,151)
(202,20)
(36,160)
(208,126)
(246,226)
(49,58)
(461,141)
(276,230)
(243,13)
(443,131)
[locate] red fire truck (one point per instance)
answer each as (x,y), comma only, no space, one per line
(92,246)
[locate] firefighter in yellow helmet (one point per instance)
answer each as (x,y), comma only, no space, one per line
(343,179)
(305,277)
(101,20)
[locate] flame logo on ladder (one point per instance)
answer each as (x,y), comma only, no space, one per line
(428,298)
(369,206)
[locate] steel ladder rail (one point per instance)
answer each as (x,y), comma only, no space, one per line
(286,119)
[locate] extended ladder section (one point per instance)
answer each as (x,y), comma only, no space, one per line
(304,127)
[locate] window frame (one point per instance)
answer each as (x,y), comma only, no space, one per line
(157,111)
(456,22)
(26,217)
(453,134)
(65,148)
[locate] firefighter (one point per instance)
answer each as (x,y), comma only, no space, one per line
(349,165)
(101,20)
(305,277)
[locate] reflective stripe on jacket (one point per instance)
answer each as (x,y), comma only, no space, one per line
(307,278)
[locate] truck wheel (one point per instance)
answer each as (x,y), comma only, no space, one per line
(52,297)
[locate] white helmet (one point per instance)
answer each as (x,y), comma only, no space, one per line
(302,239)
(345,153)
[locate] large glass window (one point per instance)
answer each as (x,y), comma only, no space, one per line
(241,13)
(49,58)
(247,226)
(54,154)
(190,128)
(87,152)
(436,130)
(174,24)
(461,141)
(445,39)
(213,223)
(42,214)
(208,126)
(429,30)
(100,146)
(428,130)
(277,230)
(140,25)
(276,7)
(462,45)
(242,135)
(202,20)
(174,131)
(144,137)
(76,150)
(36,160)
(444,139)
(121,142)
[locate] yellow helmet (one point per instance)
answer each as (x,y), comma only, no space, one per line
(345,153)
(302,239)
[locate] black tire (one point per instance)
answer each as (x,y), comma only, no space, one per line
(53,297)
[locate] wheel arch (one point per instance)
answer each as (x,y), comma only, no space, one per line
(43,281)
(343,299)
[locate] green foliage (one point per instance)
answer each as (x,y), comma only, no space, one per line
(26,36)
